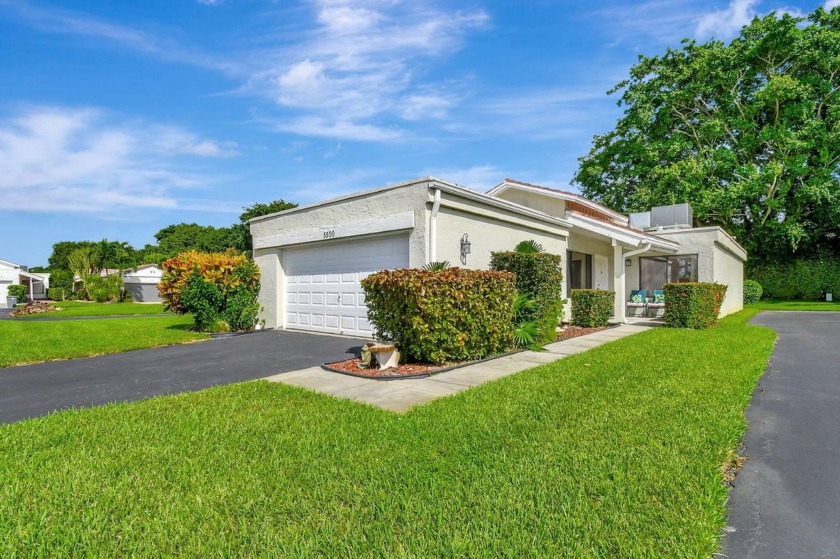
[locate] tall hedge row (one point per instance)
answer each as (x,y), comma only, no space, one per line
(693,305)
(442,316)
(807,280)
(539,275)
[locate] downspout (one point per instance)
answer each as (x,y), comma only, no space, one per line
(638,251)
(433,227)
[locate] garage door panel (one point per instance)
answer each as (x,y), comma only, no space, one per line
(324,280)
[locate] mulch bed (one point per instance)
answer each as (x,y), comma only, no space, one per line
(351,366)
(570,332)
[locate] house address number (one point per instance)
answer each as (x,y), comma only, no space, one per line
(329,234)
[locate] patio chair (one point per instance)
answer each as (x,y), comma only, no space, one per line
(657,303)
(637,305)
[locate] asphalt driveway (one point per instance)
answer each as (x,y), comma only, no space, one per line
(33,390)
(786,499)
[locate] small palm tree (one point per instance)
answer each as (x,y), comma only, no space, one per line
(529,247)
(525,332)
(436,266)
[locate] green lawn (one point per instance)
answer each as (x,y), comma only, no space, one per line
(27,341)
(81,308)
(616,452)
(795,306)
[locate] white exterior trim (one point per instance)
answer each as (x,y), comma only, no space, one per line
(568,196)
(618,233)
(356,228)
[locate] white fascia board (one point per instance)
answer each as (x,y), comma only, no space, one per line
(501,204)
(570,197)
(620,234)
(351,196)
(356,228)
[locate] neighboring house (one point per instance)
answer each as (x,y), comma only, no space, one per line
(15,274)
(313,257)
(142,283)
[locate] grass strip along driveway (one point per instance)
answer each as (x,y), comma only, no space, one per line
(77,308)
(614,452)
(35,341)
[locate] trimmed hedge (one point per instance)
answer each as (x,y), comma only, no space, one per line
(539,275)
(18,291)
(592,308)
(442,316)
(806,280)
(752,292)
(693,305)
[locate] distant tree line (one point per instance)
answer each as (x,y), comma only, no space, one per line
(68,258)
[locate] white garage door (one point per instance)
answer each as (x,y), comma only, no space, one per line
(322,283)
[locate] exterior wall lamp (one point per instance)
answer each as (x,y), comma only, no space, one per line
(465,248)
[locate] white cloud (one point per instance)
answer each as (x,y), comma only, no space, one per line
(726,23)
(60,21)
(85,160)
(829,4)
(669,21)
(209,148)
(478,177)
(363,62)
(210,2)
(339,129)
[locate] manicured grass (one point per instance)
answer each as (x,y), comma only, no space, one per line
(79,308)
(27,341)
(615,452)
(795,306)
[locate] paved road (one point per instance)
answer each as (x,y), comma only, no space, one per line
(786,499)
(34,390)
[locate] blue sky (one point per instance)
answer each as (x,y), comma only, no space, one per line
(119,118)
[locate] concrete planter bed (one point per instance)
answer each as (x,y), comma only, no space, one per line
(350,367)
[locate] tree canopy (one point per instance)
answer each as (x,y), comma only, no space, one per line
(171,240)
(746,132)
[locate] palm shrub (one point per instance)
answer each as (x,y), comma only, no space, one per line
(752,291)
(104,290)
(525,332)
(539,276)
(219,289)
(442,316)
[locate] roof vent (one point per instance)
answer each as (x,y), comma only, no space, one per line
(677,216)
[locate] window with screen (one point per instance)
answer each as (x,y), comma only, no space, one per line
(656,271)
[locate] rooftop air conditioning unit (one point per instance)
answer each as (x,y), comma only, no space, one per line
(678,216)
(640,220)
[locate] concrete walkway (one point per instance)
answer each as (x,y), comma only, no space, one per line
(400,395)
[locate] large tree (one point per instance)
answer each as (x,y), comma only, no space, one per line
(746,132)
(257,210)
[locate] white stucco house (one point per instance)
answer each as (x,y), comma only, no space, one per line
(15,274)
(313,257)
(142,282)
